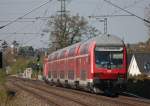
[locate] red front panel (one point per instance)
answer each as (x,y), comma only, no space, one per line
(106,73)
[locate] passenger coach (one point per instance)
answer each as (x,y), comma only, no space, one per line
(96,64)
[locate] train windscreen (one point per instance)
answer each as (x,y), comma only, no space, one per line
(109,59)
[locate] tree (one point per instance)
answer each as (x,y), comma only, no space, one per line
(27,51)
(92,32)
(68,30)
(4,45)
(15,43)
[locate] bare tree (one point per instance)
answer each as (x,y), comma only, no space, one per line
(68,30)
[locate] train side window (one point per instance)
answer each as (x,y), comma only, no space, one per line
(72,52)
(71,74)
(62,55)
(84,49)
(49,74)
(54,73)
(62,75)
(83,75)
(55,56)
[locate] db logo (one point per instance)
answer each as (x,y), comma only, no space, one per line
(109,71)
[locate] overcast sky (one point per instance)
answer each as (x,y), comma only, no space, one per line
(131,29)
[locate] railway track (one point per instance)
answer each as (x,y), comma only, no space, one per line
(51,97)
(38,95)
(79,97)
(127,100)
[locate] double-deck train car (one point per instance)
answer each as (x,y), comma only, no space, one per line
(96,64)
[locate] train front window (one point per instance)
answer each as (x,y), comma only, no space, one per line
(109,59)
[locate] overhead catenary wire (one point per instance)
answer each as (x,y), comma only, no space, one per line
(43,22)
(143,19)
(129,6)
(99,7)
(25,14)
(16,21)
(21,33)
(103,16)
(43,17)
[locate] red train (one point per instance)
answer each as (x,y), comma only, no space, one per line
(96,64)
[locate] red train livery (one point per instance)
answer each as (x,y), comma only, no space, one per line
(96,64)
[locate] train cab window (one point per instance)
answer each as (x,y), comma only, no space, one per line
(109,59)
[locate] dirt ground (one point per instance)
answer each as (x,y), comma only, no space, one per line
(12,96)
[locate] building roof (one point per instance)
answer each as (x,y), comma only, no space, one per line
(143,61)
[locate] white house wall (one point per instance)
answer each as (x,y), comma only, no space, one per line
(133,67)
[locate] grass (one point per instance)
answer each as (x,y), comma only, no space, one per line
(3,92)
(2,77)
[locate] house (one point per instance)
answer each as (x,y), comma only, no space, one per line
(27,73)
(139,64)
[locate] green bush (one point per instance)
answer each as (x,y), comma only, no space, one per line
(3,94)
(19,66)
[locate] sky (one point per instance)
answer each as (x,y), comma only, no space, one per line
(30,31)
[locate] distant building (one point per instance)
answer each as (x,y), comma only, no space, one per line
(27,73)
(139,63)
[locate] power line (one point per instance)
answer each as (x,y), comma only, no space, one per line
(145,20)
(97,7)
(16,21)
(36,18)
(128,6)
(25,14)
(110,16)
(29,33)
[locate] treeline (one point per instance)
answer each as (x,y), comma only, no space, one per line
(139,47)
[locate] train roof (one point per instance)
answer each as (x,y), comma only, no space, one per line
(63,49)
(107,40)
(103,40)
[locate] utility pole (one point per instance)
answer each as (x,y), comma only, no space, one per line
(105,24)
(63,8)
(105,19)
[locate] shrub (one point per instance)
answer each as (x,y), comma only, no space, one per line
(2,77)
(3,94)
(139,85)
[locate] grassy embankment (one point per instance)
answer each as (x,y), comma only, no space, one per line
(3,92)
(15,67)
